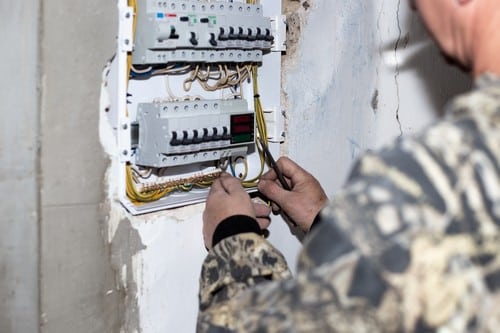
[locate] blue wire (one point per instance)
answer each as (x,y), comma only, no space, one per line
(134,74)
(231,167)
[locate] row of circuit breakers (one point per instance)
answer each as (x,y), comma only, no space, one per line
(175,133)
(171,134)
(197,31)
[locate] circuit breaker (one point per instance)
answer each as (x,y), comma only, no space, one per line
(193,85)
(190,132)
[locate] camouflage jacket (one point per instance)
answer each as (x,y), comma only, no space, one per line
(412,243)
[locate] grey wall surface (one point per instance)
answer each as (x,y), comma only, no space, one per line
(18,166)
(55,271)
(77,282)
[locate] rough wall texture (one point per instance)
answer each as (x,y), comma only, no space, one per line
(18,166)
(363,73)
(77,281)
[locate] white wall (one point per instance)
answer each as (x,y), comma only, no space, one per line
(343,96)
(361,64)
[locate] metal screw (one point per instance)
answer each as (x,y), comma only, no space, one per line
(127,15)
(127,41)
(124,126)
(125,152)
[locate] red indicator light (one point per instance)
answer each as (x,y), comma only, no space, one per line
(241,119)
(239,129)
(171,15)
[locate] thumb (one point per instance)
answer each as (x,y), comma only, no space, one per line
(273,191)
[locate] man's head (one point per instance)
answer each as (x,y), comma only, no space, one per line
(462,28)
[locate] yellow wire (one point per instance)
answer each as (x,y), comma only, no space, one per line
(261,128)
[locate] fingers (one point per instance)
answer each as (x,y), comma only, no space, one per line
(293,173)
(216,186)
(261,210)
(292,170)
(264,223)
(269,175)
(230,184)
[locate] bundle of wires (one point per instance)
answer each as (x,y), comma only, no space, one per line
(261,130)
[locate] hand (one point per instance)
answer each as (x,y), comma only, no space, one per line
(303,202)
(225,199)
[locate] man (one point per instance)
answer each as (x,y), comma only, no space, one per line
(412,244)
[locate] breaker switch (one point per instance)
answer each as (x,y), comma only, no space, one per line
(175,141)
(184,18)
(204,20)
(205,137)
(196,137)
(250,36)
(241,35)
(232,35)
(193,39)
(259,35)
(173,34)
(269,37)
(186,140)
(212,40)
(222,35)
(216,137)
(225,133)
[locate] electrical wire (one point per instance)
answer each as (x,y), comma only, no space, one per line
(154,192)
(261,129)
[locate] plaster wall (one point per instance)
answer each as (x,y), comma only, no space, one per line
(365,72)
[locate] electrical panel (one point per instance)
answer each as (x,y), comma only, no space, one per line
(193,85)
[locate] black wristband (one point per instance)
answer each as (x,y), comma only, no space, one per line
(233,225)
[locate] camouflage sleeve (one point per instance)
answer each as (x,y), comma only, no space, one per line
(411,244)
(234,265)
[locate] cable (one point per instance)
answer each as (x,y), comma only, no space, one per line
(156,191)
(261,128)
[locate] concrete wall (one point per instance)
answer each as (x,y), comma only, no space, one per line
(18,166)
(55,271)
(77,281)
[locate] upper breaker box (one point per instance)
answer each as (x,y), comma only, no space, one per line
(195,31)
(180,133)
